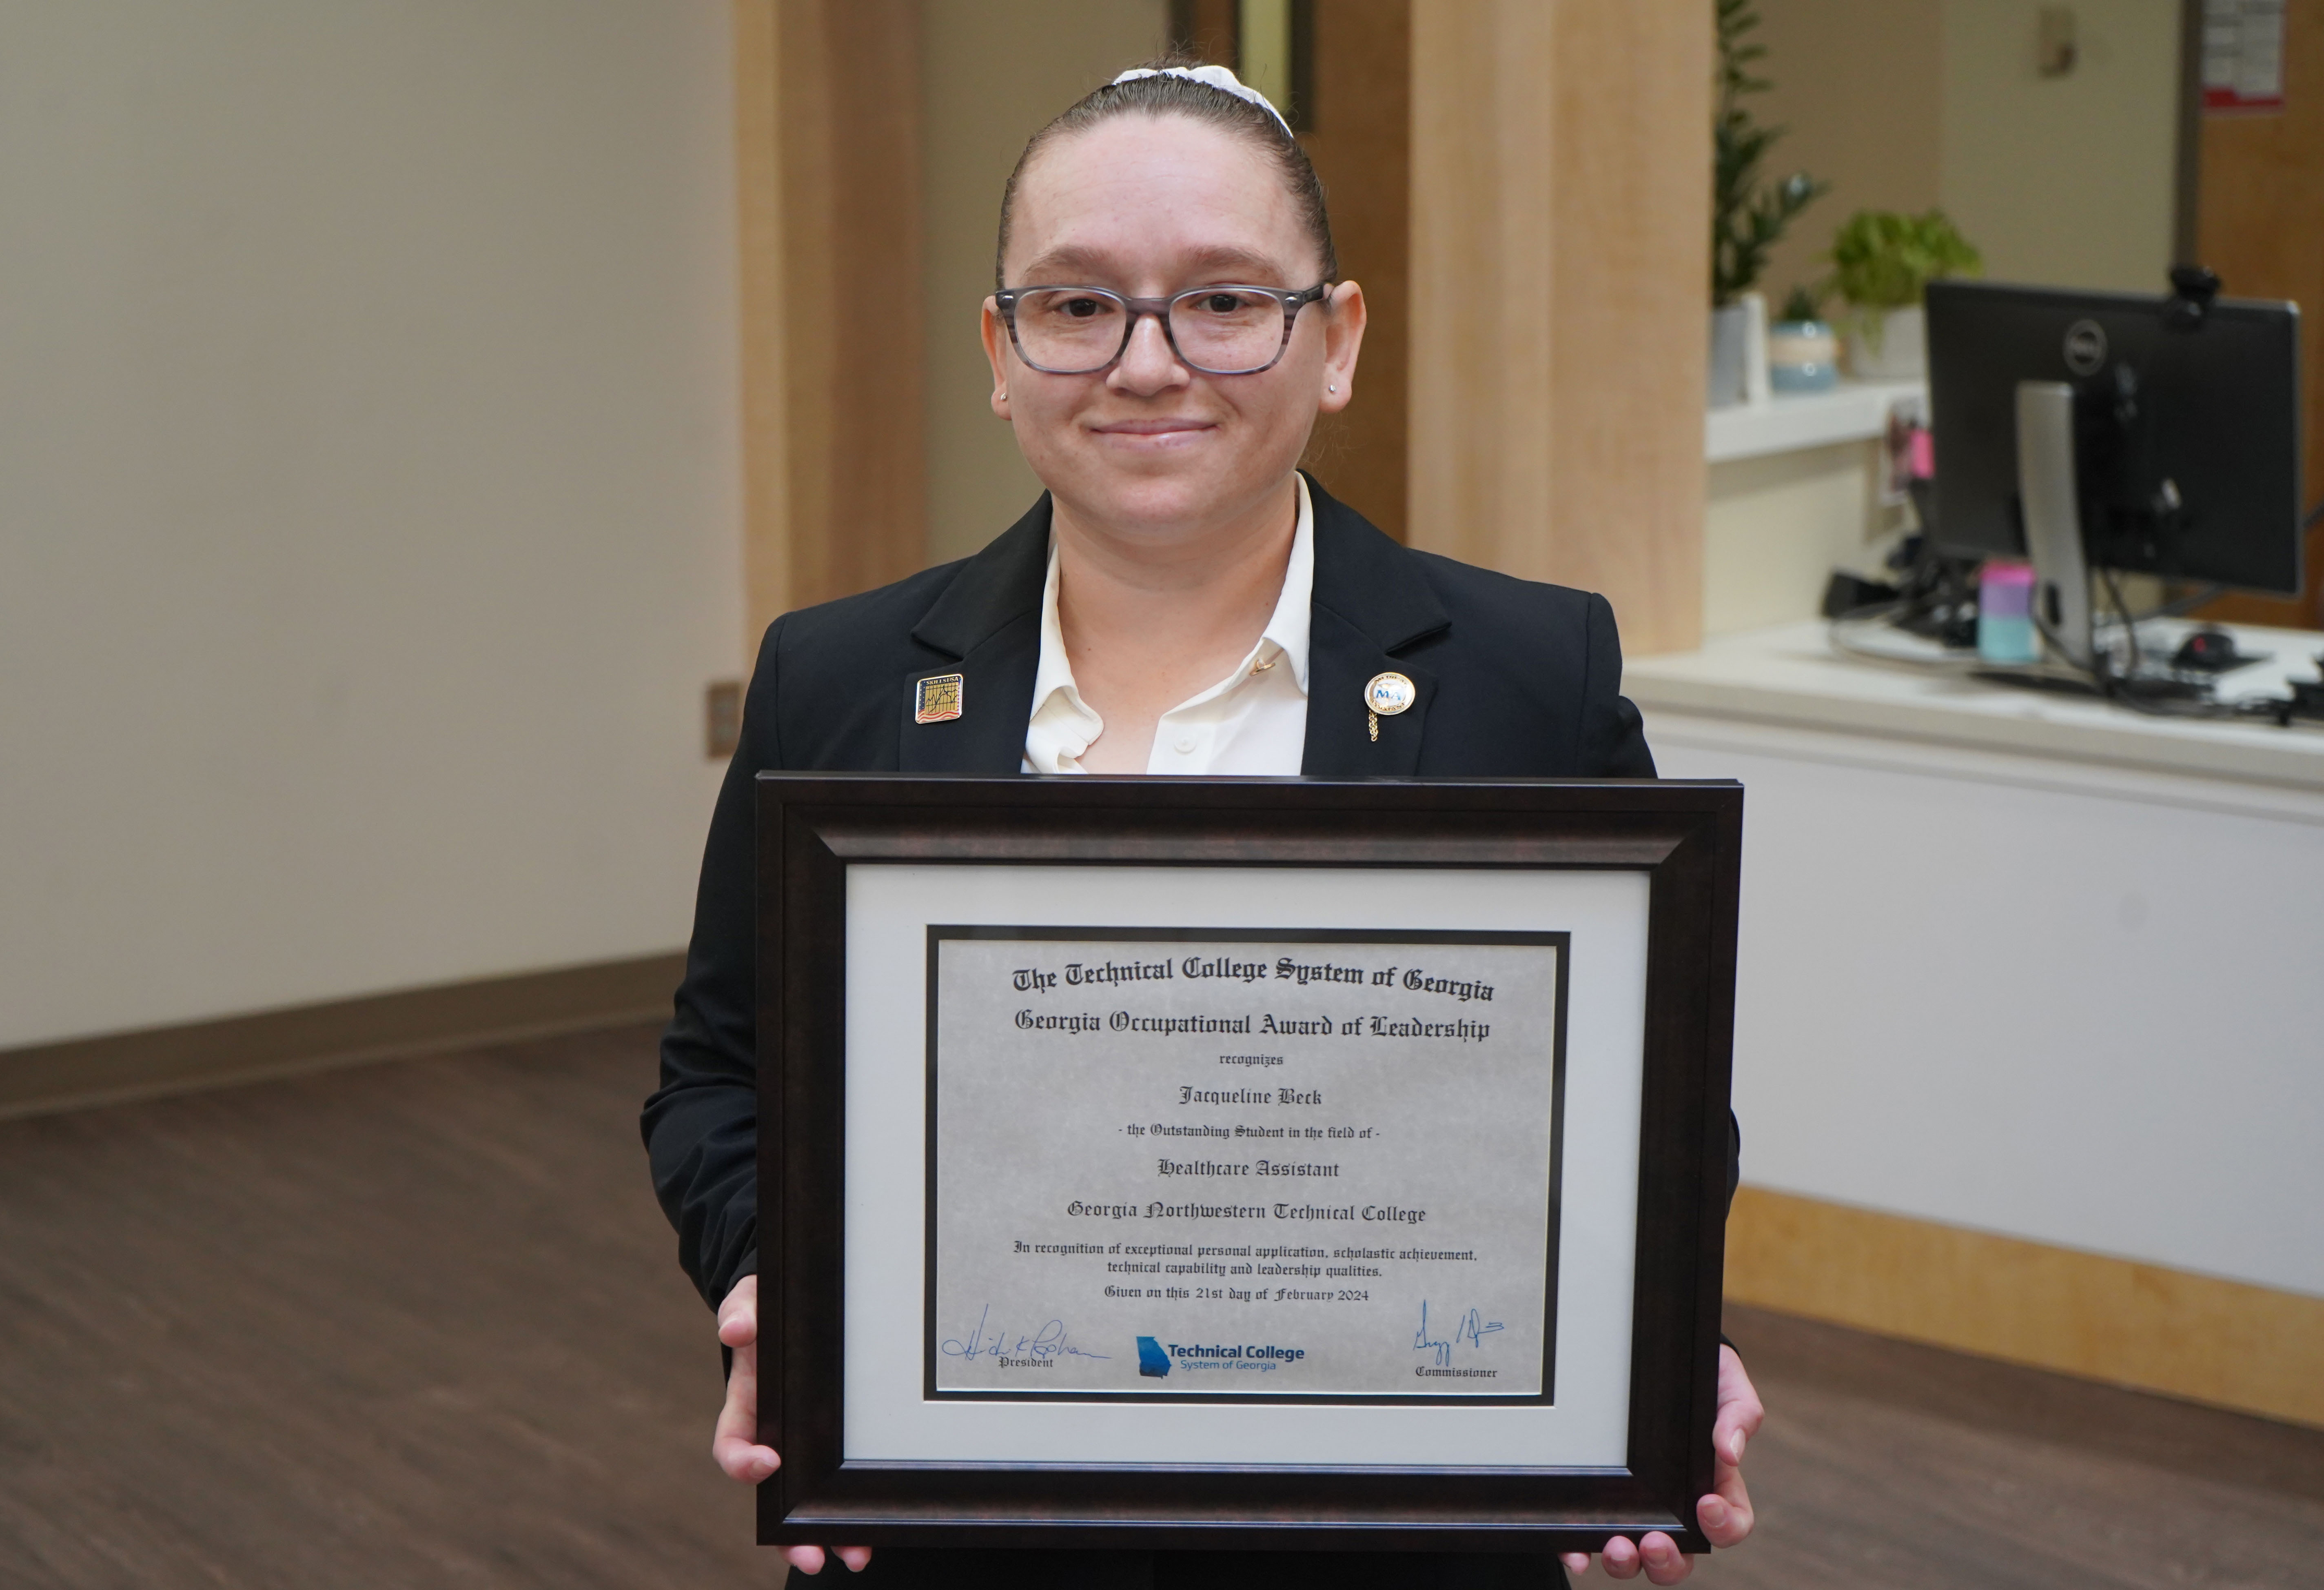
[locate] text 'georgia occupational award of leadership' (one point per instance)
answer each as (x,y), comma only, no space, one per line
(1167,1165)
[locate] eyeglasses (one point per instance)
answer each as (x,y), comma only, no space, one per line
(1217,330)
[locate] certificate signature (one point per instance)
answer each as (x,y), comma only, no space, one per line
(1469,1330)
(1049,1342)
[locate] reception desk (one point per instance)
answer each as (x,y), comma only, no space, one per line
(2030,1028)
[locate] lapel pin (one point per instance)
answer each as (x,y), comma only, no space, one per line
(937,699)
(1385,696)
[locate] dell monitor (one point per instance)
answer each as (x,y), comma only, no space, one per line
(2184,419)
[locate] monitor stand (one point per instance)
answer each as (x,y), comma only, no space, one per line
(2048,487)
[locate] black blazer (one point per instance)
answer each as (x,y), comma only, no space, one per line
(1513,677)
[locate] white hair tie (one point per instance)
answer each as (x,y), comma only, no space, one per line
(1210,77)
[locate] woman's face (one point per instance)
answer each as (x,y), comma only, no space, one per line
(1147,206)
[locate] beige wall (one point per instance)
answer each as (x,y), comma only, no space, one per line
(1905,103)
(1860,88)
(992,72)
(368,518)
(2063,180)
(1775,526)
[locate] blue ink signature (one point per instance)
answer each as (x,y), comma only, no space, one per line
(1473,1329)
(1048,1342)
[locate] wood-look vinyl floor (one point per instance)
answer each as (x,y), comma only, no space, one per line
(411,1324)
(1887,1465)
(418,1325)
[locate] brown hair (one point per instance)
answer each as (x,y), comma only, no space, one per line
(1196,101)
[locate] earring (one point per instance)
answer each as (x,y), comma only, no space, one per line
(1333,387)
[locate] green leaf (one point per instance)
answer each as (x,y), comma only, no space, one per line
(1882,260)
(1747,218)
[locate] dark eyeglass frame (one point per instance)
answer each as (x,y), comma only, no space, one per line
(1005,301)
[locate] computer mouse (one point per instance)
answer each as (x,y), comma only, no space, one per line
(2209,650)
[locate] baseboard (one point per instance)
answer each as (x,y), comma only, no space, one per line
(2245,1347)
(83,1071)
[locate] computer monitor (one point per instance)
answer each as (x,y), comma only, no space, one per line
(2185,418)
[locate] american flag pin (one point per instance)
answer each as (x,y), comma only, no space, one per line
(937,699)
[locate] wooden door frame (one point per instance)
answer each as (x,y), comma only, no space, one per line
(828,179)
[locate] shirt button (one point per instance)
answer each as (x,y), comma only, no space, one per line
(1185,744)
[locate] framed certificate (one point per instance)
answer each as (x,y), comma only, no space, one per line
(1241,1162)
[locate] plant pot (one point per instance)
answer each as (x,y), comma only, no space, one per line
(1802,355)
(1890,346)
(1731,335)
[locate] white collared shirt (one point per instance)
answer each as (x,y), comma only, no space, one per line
(1253,721)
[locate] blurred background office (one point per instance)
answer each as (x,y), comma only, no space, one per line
(412,412)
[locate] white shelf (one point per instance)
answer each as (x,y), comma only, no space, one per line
(1790,675)
(1854,410)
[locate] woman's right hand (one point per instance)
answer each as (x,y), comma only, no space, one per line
(736,1442)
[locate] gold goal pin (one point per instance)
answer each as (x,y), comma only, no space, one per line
(1385,696)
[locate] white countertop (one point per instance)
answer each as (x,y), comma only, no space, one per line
(1791,675)
(1854,410)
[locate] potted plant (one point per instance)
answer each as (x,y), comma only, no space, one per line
(1802,347)
(1747,217)
(1881,261)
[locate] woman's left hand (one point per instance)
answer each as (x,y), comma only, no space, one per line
(1725,1514)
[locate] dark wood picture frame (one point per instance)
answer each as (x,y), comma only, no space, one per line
(1686,838)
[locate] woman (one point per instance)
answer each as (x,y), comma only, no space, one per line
(1182,600)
